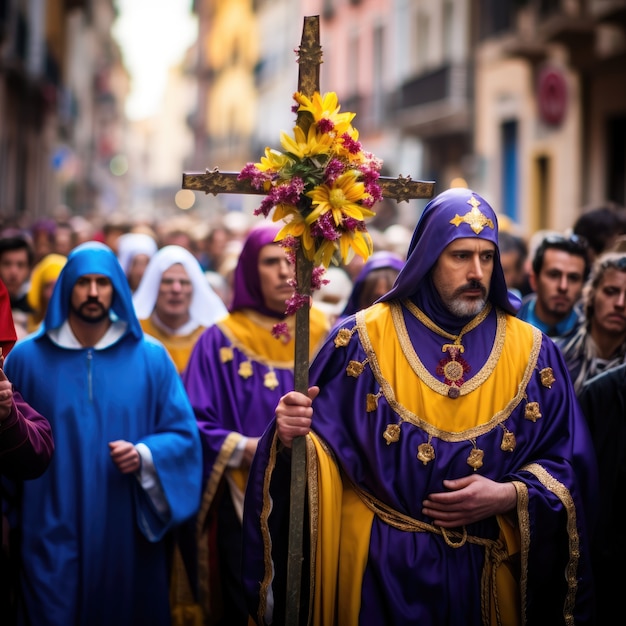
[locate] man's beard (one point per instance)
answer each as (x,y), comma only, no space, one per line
(90,319)
(467,308)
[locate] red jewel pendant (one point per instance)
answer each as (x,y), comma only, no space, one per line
(453,368)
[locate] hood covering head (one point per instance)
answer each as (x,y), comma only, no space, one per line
(8,336)
(92,257)
(48,269)
(247,291)
(379,260)
(206,306)
(129,245)
(453,214)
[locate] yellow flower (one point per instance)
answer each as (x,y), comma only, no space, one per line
(341,199)
(295,226)
(359,241)
(273,161)
(302,146)
(325,107)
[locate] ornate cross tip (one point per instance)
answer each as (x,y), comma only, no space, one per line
(310,53)
(473,218)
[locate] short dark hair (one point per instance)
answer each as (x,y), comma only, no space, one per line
(574,244)
(600,224)
(17,242)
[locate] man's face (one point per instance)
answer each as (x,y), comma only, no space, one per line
(462,275)
(91,299)
(558,285)
(14,270)
(275,273)
(609,304)
(174,297)
(136,270)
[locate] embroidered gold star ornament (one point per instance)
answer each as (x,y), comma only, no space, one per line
(473,218)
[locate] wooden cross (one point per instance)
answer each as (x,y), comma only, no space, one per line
(214,182)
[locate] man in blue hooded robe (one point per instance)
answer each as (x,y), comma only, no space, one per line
(451,477)
(128,462)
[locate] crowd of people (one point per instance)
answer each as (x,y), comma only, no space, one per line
(465,424)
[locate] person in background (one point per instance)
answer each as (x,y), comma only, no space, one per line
(26,448)
(374,281)
(127,466)
(601,226)
(603,401)
(333,294)
(513,255)
(451,477)
(560,267)
(42,281)
(65,238)
(237,372)
(214,249)
(42,235)
(599,343)
(16,261)
(134,251)
(175,303)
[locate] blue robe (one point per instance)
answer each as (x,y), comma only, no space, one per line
(93,549)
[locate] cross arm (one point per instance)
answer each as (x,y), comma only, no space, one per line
(401,189)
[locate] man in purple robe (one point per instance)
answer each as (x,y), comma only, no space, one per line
(451,476)
(237,372)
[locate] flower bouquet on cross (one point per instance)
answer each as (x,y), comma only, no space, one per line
(322,184)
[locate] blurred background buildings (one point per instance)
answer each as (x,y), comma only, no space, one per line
(522,100)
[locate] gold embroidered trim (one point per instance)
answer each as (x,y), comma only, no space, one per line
(266,509)
(571,569)
(250,354)
(523,523)
(408,416)
(456,339)
(418,367)
(217,473)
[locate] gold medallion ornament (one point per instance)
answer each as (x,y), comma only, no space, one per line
(245,369)
(532,412)
(226,354)
(355,369)
(453,368)
(547,377)
(425,452)
(342,339)
(392,433)
(508,441)
(270,381)
(371,401)
(475,458)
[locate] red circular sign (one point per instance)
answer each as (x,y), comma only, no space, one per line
(552,97)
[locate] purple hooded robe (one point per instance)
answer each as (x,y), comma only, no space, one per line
(386,432)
